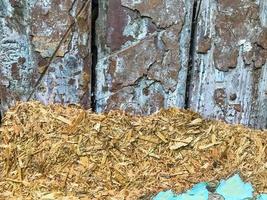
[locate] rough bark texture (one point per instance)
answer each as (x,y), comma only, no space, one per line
(229,79)
(31,46)
(143,54)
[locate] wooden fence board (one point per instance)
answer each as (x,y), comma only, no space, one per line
(30,33)
(229,71)
(143,54)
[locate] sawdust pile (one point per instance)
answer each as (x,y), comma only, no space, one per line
(47,152)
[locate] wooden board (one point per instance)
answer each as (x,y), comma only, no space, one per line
(45,51)
(229,79)
(143,50)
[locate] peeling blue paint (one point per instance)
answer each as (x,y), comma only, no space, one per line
(168,195)
(231,189)
(262,197)
(235,189)
(199,192)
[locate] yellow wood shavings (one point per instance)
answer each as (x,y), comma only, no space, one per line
(65,152)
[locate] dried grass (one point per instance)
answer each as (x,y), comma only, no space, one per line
(47,152)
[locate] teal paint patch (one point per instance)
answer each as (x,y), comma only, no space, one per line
(235,189)
(168,195)
(262,197)
(198,192)
(231,189)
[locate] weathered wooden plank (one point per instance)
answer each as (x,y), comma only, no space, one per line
(142,54)
(68,77)
(31,31)
(229,71)
(16,68)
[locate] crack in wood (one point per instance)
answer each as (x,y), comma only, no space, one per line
(94,50)
(192,50)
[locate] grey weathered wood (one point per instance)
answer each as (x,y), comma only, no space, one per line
(30,32)
(16,62)
(229,71)
(143,50)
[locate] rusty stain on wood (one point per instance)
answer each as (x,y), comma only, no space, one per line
(49,58)
(230,73)
(143,58)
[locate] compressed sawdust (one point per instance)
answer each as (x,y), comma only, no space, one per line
(47,152)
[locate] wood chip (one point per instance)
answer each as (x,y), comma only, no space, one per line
(181,143)
(65,152)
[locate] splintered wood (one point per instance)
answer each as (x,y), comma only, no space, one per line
(48,152)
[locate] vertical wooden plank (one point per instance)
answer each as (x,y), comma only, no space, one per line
(16,68)
(229,73)
(142,54)
(69,74)
(31,31)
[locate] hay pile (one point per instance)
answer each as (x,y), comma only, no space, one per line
(47,152)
